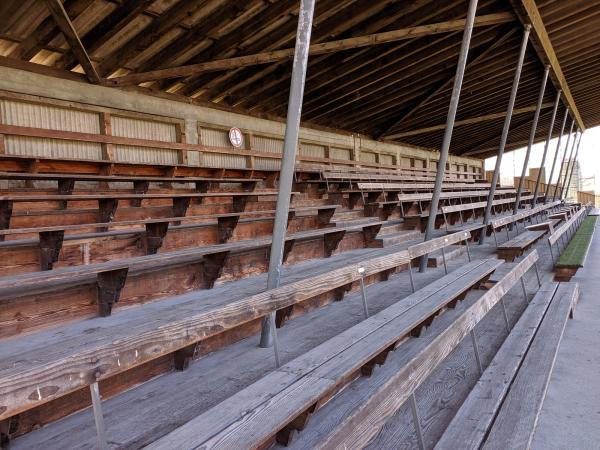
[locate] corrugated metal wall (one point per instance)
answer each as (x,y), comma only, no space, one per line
(144,129)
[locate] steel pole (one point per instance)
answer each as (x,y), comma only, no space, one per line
(574,161)
(548,138)
(504,137)
(441,167)
(534,124)
(286,174)
(562,132)
(560,169)
(562,188)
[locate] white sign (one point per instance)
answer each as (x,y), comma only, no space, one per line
(236,137)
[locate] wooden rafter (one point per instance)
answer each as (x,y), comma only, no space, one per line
(468,121)
(315,49)
(447,83)
(528,13)
(68,30)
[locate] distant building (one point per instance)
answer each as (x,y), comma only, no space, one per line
(576,184)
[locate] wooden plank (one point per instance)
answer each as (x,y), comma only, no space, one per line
(314,49)
(560,231)
(333,360)
(359,427)
(68,30)
(515,424)
(470,425)
(119,178)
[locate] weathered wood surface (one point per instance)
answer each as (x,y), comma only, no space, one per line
(503,221)
(179,329)
(364,422)
(119,178)
(236,423)
(560,231)
(131,196)
(470,425)
(515,424)
(400,186)
(546,227)
(522,241)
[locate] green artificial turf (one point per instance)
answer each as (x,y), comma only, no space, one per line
(575,253)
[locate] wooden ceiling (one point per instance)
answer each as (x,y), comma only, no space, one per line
(396,90)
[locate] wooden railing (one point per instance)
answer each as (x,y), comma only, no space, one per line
(582,197)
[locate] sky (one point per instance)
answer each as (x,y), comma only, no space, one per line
(589,158)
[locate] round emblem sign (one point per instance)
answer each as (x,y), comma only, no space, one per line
(236,137)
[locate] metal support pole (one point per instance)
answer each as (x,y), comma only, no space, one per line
(573,165)
(288,161)
(548,138)
(468,251)
(524,289)
(476,350)
(98,417)
(361,272)
(504,137)
(536,118)
(563,161)
(562,165)
(439,177)
(537,274)
(560,136)
(444,259)
(417,421)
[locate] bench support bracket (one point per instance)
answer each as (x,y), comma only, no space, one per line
(185,355)
(50,245)
(212,268)
(109,285)
(155,234)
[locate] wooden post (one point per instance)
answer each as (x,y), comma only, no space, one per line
(180,136)
(248,146)
(106,129)
(2,145)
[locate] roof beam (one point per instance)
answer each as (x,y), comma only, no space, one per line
(68,30)
(528,13)
(446,83)
(469,121)
(315,49)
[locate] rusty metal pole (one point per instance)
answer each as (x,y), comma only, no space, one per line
(560,169)
(441,167)
(548,138)
(504,137)
(573,164)
(562,188)
(288,161)
(560,136)
(536,118)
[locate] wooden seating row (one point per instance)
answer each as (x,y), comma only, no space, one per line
(515,247)
(575,253)
(50,238)
(108,203)
(501,412)
(134,336)
(280,404)
(41,299)
(563,233)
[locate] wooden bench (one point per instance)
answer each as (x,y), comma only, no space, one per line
(575,254)
(281,403)
(50,239)
(110,278)
(108,203)
(515,247)
(502,409)
(508,221)
(563,233)
(104,350)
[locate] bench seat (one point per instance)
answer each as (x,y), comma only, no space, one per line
(575,254)
(515,247)
(509,394)
(271,407)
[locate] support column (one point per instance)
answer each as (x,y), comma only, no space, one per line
(505,129)
(548,138)
(574,160)
(288,160)
(562,131)
(562,188)
(534,124)
(441,165)
(563,161)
